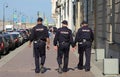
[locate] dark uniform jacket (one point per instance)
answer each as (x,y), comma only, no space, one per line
(84,33)
(63,35)
(39,32)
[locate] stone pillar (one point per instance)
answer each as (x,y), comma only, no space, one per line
(61,13)
(66,10)
(71,26)
(59,20)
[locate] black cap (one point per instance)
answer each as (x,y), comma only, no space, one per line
(84,22)
(65,22)
(40,19)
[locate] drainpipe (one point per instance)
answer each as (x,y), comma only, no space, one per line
(95,26)
(87,10)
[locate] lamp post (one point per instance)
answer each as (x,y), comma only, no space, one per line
(38,14)
(5,5)
(14,13)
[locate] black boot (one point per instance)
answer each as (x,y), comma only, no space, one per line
(80,66)
(65,69)
(60,69)
(37,70)
(42,69)
(87,70)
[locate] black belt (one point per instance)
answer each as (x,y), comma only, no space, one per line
(83,41)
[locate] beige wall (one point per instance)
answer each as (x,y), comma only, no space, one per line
(53,8)
(79,14)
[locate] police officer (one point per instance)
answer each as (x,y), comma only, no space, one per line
(62,41)
(39,36)
(84,37)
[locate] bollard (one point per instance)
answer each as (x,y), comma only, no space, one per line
(111,66)
(100,54)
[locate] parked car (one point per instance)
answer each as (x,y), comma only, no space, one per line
(18,39)
(4,45)
(29,31)
(10,39)
(26,34)
(25,38)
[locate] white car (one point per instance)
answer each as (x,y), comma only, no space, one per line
(9,28)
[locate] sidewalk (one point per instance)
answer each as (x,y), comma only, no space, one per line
(22,65)
(96,66)
(97,69)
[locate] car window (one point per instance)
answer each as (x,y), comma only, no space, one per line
(14,36)
(8,37)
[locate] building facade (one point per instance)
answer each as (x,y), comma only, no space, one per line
(103,18)
(65,11)
(54,15)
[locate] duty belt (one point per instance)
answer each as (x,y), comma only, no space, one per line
(36,41)
(83,41)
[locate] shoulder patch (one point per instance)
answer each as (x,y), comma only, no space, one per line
(63,32)
(39,29)
(85,30)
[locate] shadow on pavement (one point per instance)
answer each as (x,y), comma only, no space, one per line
(45,69)
(68,69)
(83,67)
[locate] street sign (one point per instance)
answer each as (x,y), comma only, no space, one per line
(15,18)
(23,19)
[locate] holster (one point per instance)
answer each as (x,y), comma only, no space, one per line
(63,45)
(40,43)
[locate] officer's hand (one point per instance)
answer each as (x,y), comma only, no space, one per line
(56,48)
(48,47)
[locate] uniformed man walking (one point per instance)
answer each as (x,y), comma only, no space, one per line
(84,37)
(39,36)
(62,41)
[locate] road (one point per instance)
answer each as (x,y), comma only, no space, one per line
(20,63)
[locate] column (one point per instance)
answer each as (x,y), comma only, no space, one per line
(66,10)
(71,26)
(58,25)
(59,18)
